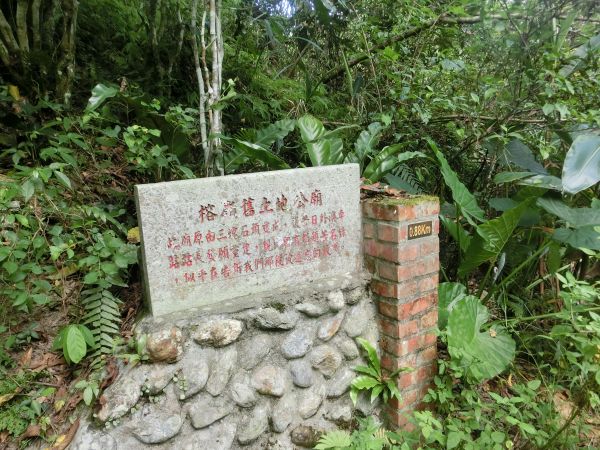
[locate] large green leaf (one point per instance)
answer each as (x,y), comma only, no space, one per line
(456,230)
(491,238)
(484,354)
(100,93)
(382,163)
(274,132)
(366,142)
(576,217)
(581,168)
(584,237)
(448,295)
(507,177)
(543,182)
(460,193)
(579,56)
(516,152)
(311,128)
(74,346)
(258,153)
(325,152)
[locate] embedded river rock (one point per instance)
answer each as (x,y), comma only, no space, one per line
(270,377)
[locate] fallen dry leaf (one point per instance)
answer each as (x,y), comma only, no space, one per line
(64,440)
(6,397)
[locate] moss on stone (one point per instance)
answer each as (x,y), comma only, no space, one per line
(405,201)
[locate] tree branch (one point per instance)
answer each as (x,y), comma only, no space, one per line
(442,20)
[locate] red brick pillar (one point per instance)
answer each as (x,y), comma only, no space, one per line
(401,250)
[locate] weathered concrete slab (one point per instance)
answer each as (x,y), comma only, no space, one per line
(209,240)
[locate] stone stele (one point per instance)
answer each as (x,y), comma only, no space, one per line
(209,241)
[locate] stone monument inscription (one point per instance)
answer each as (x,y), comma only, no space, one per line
(212,240)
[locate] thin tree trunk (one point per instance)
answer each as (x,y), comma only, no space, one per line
(35,24)
(201,88)
(7,35)
(49,22)
(174,57)
(21,22)
(66,65)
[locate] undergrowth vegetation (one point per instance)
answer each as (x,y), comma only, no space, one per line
(493,106)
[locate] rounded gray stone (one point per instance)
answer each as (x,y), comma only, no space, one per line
(254,350)
(121,396)
(272,319)
(297,343)
(203,412)
(283,412)
(356,320)
(335,300)
(195,370)
(222,367)
(325,359)
(218,333)
(311,309)
(339,414)
(158,428)
(157,376)
(254,426)
(330,326)
(302,373)
(310,400)
(218,436)
(90,438)
(353,296)
(347,347)
(243,395)
(340,383)
(270,380)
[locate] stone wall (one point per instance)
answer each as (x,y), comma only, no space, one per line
(273,376)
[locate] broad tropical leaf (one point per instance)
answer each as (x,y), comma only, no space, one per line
(507,177)
(460,193)
(458,233)
(448,295)
(543,181)
(258,153)
(274,132)
(484,354)
(584,237)
(516,152)
(100,93)
(576,217)
(382,163)
(581,168)
(311,128)
(366,142)
(491,238)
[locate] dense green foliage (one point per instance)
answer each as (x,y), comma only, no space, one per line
(493,106)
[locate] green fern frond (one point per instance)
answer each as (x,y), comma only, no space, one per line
(336,439)
(103,318)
